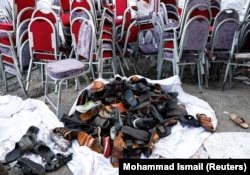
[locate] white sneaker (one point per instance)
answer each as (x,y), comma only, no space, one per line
(87,106)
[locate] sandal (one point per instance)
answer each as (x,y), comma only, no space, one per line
(85,139)
(189,120)
(26,143)
(115,156)
(30,167)
(238,120)
(58,162)
(44,151)
(205,122)
(60,141)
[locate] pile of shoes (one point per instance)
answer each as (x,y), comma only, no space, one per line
(122,118)
(30,144)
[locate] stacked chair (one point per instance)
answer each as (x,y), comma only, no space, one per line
(220,42)
(11,63)
(239,54)
(181,49)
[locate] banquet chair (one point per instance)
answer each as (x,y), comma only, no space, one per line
(240,52)
(128,45)
(86,50)
(16,7)
(119,9)
(189,50)
(42,50)
(22,23)
(9,64)
(149,47)
(145,21)
(220,43)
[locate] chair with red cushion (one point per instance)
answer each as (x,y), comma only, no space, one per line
(9,64)
(43,44)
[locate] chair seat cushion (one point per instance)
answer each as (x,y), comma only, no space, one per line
(64,68)
(149,49)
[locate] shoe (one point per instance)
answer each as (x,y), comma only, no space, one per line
(238,120)
(130,98)
(86,116)
(121,107)
(106,142)
(30,167)
(155,113)
(101,122)
(60,141)
(81,127)
(85,139)
(206,122)
(87,106)
(58,162)
(144,123)
(27,142)
(44,151)
(189,120)
(97,86)
(136,133)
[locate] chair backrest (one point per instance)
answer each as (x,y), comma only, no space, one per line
(189,4)
(126,21)
(80,12)
(172,2)
(194,38)
(197,10)
(225,14)
(163,13)
(243,39)
(83,38)
(43,43)
(64,6)
(222,38)
(131,37)
(120,7)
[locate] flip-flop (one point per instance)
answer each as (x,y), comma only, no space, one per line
(189,120)
(205,122)
(30,167)
(44,151)
(58,162)
(23,146)
(238,120)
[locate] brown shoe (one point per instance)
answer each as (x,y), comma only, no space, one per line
(88,115)
(85,139)
(98,86)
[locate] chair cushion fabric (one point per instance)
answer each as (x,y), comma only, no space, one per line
(64,68)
